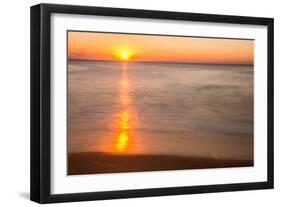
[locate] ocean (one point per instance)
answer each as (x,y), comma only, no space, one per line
(137,108)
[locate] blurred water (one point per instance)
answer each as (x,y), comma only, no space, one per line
(160,108)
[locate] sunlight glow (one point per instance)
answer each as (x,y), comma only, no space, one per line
(123,53)
(125,56)
(122,141)
(124,120)
(158,48)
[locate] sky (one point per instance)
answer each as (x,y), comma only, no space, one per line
(156,48)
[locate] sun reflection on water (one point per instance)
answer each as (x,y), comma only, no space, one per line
(122,142)
(124,122)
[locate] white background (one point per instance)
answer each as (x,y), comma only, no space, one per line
(14,102)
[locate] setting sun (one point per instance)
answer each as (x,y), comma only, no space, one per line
(123,53)
(124,56)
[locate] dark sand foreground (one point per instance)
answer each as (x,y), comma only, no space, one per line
(98,162)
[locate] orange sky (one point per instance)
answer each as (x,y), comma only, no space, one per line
(112,46)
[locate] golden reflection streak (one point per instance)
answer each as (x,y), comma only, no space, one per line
(122,141)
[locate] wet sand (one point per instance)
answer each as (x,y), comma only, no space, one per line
(99,162)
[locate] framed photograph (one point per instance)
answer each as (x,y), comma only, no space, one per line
(133,103)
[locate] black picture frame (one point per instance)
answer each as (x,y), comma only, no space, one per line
(41,99)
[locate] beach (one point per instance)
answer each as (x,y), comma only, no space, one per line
(94,162)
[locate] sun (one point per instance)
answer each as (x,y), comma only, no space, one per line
(125,56)
(124,53)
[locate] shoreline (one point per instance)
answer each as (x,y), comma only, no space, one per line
(100,162)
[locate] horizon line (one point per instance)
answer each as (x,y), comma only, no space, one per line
(164,62)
